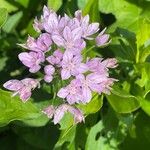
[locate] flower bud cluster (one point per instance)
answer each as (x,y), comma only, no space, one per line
(60,49)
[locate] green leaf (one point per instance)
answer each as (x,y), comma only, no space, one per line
(67,121)
(23,2)
(122,102)
(3,16)
(109,132)
(93,106)
(138,137)
(91,8)
(12,22)
(7,5)
(92,142)
(12,108)
(126,14)
(144,70)
(145,102)
(54,4)
(82,3)
(143,38)
(67,135)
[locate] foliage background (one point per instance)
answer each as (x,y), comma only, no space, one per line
(120,121)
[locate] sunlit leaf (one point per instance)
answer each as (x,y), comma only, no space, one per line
(12,108)
(12,22)
(122,102)
(126,14)
(54,4)
(3,16)
(93,106)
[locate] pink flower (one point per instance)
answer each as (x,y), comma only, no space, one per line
(105,86)
(100,66)
(49,111)
(37,25)
(50,20)
(56,58)
(62,109)
(32,60)
(102,39)
(42,44)
(49,71)
(22,87)
(72,92)
(71,65)
(78,115)
(90,83)
(87,28)
(70,40)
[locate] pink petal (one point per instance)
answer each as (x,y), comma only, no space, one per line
(77,33)
(63,92)
(48,78)
(35,68)
(102,39)
(25,94)
(49,111)
(13,85)
(59,113)
(65,74)
(58,40)
(67,34)
(96,78)
(67,57)
(93,28)
(78,115)
(25,58)
(49,70)
(80,77)
(85,21)
(82,68)
(87,94)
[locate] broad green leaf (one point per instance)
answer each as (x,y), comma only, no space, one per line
(123,45)
(145,105)
(23,2)
(93,143)
(54,4)
(143,38)
(138,137)
(37,122)
(145,102)
(7,5)
(93,106)
(82,3)
(143,33)
(144,70)
(67,135)
(91,8)
(12,22)
(126,14)
(3,16)
(12,108)
(109,132)
(122,102)
(67,121)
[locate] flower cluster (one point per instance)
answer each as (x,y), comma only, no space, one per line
(69,36)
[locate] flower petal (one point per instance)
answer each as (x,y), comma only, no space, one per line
(58,40)
(62,93)
(65,74)
(13,85)
(87,94)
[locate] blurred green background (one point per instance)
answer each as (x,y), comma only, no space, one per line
(120,121)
